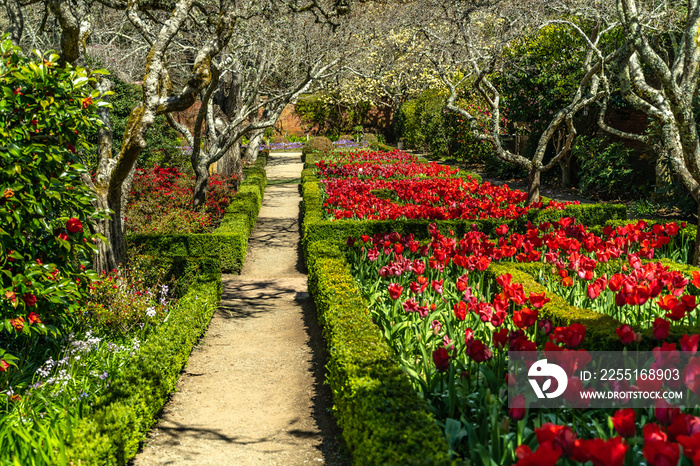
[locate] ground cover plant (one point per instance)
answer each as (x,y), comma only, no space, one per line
(367,186)
(452,326)
(161,202)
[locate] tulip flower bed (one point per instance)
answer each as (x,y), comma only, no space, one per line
(452,326)
(389,185)
(161,202)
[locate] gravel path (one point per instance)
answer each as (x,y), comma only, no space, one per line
(253,391)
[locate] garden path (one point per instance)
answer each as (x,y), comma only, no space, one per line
(253,391)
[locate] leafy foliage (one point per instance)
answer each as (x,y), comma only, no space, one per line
(329,117)
(45,209)
(163,145)
(605,168)
(541,76)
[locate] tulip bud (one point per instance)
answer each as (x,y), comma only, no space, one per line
(504,425)
(418,338)
(638,337)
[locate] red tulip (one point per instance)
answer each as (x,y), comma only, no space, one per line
(395,290)
(441,358)
(690,444)
(600,452)
(625,334)
(525,318)
(546,454)
(571,336)
(624,422)
(661,328)
(683,424)
(662,453)
(517,408)
(690,343)
(460,310)
(561,437)
(500,338)
(653,433)
(478,351)
(665,412)
(537,300)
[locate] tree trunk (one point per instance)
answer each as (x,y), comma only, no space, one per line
(229,164)
(533,185)
(663,178)
(201,182)
(565,164)
(253,149)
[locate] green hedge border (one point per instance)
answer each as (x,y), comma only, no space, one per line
(384,420)
(120,418)
(112,432)
(230,241)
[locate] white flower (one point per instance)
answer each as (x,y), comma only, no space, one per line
(151,312)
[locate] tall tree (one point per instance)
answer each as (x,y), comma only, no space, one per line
(264,76)
(467,41)
(658,72)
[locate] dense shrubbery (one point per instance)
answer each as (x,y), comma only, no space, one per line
(327,117)
(45,209)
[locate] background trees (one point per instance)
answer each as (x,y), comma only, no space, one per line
(175,47)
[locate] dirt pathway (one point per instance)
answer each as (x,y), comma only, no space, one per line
(253,392)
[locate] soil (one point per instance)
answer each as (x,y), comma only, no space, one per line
(253,391)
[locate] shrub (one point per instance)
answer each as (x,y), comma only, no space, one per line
(370,138)
(605,168)
(279,140)
(317,144)
(384,421)
(421,123)
(45,208)
(163,145)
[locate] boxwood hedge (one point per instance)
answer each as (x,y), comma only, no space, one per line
(384,420)
(229,242)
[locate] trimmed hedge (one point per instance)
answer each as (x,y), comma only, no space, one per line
(315,145)
(119,418)
(229,242)
(384,420)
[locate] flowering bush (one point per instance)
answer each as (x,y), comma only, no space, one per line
(121,305)
(57,381)
(161,198)
(421,191)
(45,209)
